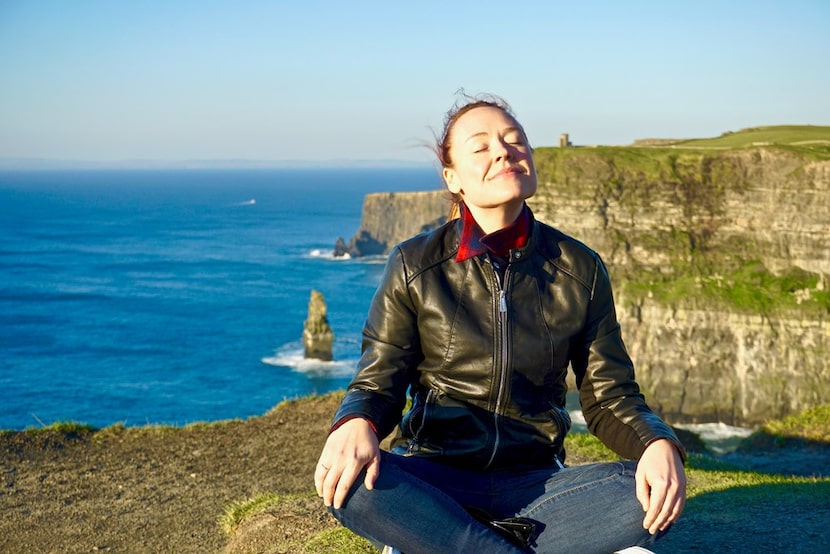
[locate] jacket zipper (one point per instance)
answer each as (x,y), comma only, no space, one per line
(502,301)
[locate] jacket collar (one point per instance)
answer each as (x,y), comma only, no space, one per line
(475,242)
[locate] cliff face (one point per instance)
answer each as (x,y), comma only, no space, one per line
(706,365)
(389,218)
(700,246)
(705,218)
(765,204)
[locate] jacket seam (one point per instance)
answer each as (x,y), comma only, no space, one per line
(426,268)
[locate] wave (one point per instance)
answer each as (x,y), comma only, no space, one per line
(325,254)
(719,437)
(578,424)
(292,357)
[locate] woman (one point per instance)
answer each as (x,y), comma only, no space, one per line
(479,321)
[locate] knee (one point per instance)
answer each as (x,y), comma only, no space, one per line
(362,503)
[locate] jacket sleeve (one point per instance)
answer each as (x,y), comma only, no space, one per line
(391,352)
(614,408)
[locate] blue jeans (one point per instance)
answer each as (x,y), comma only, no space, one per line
(419,506)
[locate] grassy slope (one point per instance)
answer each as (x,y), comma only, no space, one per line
(719,494)
(811,141)
(803,135)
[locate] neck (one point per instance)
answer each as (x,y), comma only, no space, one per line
(493,219)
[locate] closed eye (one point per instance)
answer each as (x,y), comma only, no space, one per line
(514,138)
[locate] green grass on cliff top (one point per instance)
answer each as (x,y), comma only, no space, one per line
(811,141)
(791,135)
(641,164)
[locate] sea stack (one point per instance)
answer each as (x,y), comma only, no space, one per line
(318,337)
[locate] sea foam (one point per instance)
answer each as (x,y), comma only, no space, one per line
(292,356)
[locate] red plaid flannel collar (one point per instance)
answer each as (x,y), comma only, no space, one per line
(474,242)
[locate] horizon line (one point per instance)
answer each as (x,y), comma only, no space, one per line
(55,164)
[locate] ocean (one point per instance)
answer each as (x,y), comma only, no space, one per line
(170,297)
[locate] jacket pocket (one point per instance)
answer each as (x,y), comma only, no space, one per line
(454,429)
(415,424)
(560,416)
(413,421)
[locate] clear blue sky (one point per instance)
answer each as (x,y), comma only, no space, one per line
(314,80)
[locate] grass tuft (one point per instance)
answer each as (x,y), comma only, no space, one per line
(812,424)
(69,428)
(240,511)
(808,428)
(338,540)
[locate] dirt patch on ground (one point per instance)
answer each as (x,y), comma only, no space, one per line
(164,489)
(153,489)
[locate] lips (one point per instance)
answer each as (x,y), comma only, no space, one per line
(510,170)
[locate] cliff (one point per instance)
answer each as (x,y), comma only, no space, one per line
(720,261)
(389,218)
(652,207)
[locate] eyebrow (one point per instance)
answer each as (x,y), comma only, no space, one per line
(484,133)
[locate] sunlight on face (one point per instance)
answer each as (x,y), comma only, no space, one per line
(492,162)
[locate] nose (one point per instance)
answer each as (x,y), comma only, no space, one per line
(501,150)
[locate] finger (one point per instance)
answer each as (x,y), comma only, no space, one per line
(344,485)
(319,477)
(372,472)
(675,507)
(662,521)
(330,484)
(642,490)
(671,509)
(657,506)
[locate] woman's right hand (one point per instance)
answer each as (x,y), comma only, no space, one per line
(348,449)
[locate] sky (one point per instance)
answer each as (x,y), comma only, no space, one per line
(321,82)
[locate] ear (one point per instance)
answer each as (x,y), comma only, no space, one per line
(451,179)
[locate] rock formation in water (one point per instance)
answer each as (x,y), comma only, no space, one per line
(318,338)
(693,240)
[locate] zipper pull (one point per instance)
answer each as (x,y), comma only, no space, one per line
(502,302)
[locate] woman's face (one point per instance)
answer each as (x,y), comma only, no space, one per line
(492,165)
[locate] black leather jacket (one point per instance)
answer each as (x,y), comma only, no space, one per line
(485,357)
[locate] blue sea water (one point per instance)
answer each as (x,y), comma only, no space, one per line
(145,297)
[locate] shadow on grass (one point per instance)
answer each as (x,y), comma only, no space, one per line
(772,517)
(762,440)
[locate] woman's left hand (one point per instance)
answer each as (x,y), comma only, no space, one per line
(661,485)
